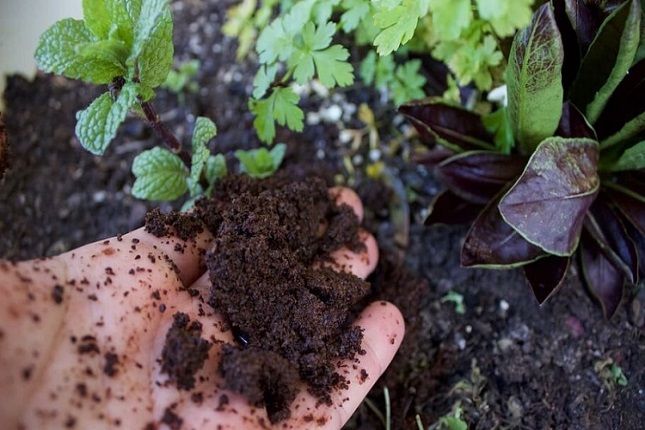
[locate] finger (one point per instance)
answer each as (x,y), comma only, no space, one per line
(360,263)
(383,332)
(185,255)
(344,195)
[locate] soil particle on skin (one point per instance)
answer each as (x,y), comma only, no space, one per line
(57,294)
(184,351)
(171,419)
(111,363)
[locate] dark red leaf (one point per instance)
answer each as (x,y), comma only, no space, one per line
(631,207)
(450,126)
(433,156)
(449,209)
(604,281)
(547,205)
(546,275)
(605,227)
(586,17)
(492,242)
(573,123)
(478,176)
(626,103)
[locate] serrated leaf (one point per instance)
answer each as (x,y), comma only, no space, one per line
(215,168)
(545,275)
(548,203)
(97,125)
(110,19)
(204,131)
(280,106)
(57,53)
(332,67)
(505,16)
(261,163)
(450,17)
(112,53)
(157,50)
(492,243)
(397,24)
(354,12)
(534,78)
(610,56)
(263,80)
(409,82)
(605,282)
(151,14)
(160,175)
(453,127)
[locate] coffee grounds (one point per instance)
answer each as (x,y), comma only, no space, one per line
(291,317)
(184,351)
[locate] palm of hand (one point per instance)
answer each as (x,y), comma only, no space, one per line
(97,319)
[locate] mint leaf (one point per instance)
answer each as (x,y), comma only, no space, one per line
(112,53)
(261,163)
(109,19)
(204,131)
(156,54)
(280,106)
(160,175)
(97,125)
(152,11)
(215,169)
(57,53)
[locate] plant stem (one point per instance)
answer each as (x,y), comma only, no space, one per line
(166,135)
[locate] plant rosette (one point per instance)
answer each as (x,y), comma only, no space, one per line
(558,172)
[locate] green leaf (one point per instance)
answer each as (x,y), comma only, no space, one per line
(215,169)
(632,159)
(280,106)
(354,12)
(97,125)
(450,17)
(160,175)
(548,203)
(610,56)
(110,19)
(151,14)
(317,56)
(156,53)
(629,130)
(505,16)
(534,80)
(263,80)
(397,24)
(499,124)
(57,52)
(274,43)
(205,130)
(112,53)
(261,163)
(409,82)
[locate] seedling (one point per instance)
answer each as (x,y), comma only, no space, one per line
(559,169)
(127,44)
(456,299)
(296,46)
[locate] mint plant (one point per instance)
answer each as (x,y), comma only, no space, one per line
(465,34)
(559,171)
(127,44)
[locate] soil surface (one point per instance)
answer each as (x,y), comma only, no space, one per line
(505,361)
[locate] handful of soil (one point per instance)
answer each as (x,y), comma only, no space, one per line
(292,322)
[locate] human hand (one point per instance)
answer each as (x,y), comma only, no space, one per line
(81,335)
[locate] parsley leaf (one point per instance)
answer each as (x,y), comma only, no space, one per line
(280,106)
(397,24)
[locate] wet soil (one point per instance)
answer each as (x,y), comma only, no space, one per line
(505,361)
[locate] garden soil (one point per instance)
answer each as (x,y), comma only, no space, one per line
(503,360)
